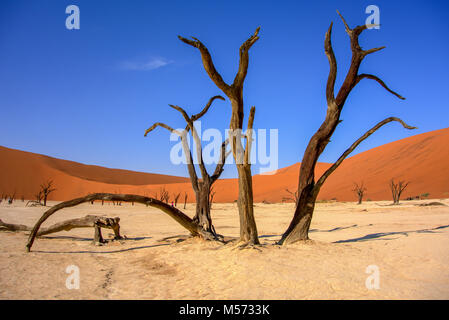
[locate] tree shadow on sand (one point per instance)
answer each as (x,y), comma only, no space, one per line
(111,251)
(90,239)
(380,235)
(317,230)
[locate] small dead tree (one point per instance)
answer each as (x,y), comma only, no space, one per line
(308,187)
(201,186)
(185,199)
(12,198)
(234,91)
(176,197)
(397,189)
(359,190)
(164,195)
(293,196)
(46,189)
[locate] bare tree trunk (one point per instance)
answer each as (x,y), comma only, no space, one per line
(202,216)
(248,229)
(359,190)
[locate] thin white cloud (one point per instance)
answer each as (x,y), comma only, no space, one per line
(150,64)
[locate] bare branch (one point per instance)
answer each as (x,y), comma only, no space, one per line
(354,145)
(183,112)
(348,30)
(332,64)
(249,134)
(367,52)
(206,108)
(199,149)
(221,162)
(244,59)
(163,125)
(208,63)
(372,77)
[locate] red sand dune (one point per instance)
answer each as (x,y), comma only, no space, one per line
(420,159)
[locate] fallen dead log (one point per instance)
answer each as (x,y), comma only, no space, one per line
(88,221)
(176,214)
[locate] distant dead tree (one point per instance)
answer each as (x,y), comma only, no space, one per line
(359,190)
(397,189)
(234,91)
(185,199)
(176,197)
(308,187)
(46,189)
(202,186)
(12,198)
(164,195)
(293,196)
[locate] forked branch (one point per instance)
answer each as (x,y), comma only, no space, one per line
(352,77)
(244,59)
(212,71)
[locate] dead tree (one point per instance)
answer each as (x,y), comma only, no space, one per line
(248,229)
(88,221)
(176,197)
(293,196)
(200,187)
(396,189)
(164,195)
(177,215)
(359,190)
(11,198)
(308,187)
(185,199)
(46,189)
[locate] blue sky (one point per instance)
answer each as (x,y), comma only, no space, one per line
(88,95)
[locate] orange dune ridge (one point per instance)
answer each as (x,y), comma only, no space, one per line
(421,159)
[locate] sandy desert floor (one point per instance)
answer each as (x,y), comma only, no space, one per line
(408,243)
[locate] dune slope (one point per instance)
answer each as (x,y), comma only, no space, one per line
(421,159)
